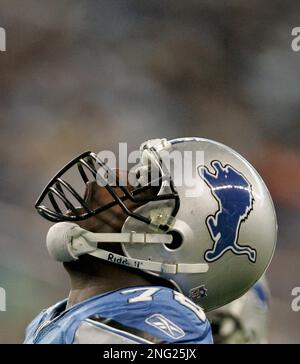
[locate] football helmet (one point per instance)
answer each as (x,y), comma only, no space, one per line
(245,320)
(212,239)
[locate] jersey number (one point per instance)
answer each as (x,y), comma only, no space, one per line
(147,294)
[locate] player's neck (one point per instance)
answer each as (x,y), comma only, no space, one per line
(85,286)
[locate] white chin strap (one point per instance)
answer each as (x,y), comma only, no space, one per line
(67,241)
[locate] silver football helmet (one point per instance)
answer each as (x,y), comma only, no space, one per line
(245,320)
(211,234)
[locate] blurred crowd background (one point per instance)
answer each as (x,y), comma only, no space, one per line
(80,75)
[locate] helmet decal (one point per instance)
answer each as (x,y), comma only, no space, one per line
(234,195)
(198,292)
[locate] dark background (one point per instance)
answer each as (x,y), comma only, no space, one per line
(81,75)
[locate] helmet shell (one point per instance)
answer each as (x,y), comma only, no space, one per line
(226,220)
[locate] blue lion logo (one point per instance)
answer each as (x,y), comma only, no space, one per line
(234,195)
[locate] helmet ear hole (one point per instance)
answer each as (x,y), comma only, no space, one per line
(177,240)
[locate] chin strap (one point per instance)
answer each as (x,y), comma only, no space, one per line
(67,241)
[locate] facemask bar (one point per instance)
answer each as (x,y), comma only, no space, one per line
(89,161)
